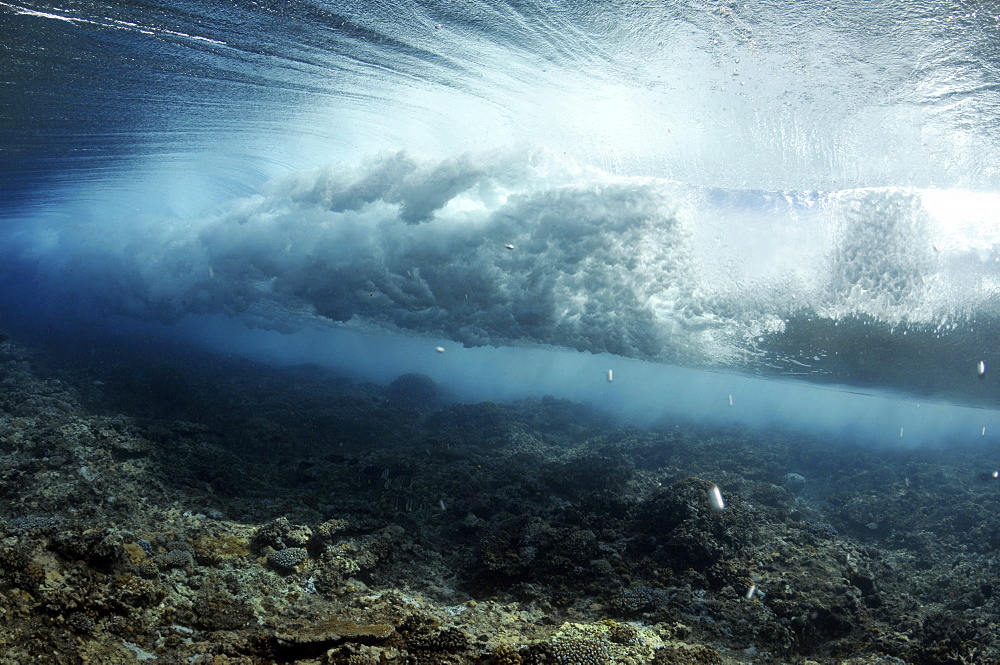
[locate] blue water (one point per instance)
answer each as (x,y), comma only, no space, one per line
(796,204)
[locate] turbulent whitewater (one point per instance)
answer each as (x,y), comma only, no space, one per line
(805,190)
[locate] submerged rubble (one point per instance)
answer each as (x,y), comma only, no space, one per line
(229,513)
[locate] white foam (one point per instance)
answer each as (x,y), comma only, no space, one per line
(515,248)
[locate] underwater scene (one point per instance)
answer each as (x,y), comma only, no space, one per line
(500,332)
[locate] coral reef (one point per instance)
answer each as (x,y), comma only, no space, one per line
(188,511)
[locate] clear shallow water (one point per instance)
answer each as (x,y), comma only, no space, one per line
(800,191)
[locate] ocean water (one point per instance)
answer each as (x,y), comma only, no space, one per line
(500,331)
(774,214)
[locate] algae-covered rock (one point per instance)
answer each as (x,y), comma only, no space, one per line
(309,637)
(682,653)
(214,549)
(682,531)
(281,533)
(413,390)
(287,558)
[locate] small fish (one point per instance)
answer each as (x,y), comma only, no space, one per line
(981,369)
(509,246)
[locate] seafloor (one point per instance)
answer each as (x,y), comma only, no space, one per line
(177,508)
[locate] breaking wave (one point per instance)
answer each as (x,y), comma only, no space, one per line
(802,192)
(529,249)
